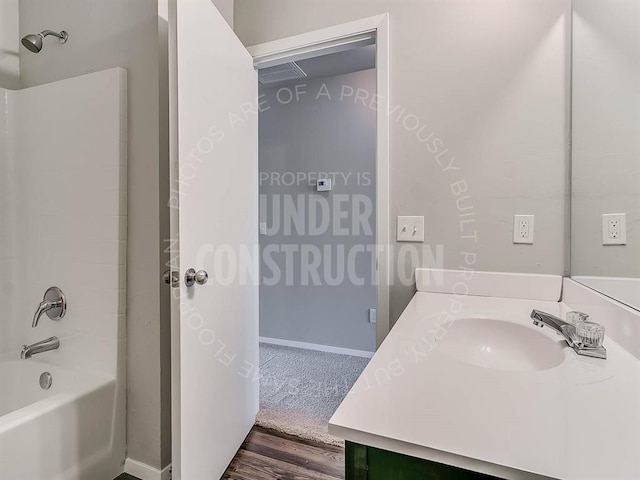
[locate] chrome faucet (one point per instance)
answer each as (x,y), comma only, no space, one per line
(52,343)
(53,304)
(570,334)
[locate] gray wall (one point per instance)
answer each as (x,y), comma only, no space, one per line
(490,80)
(104,34)
(9,43)
(313,134)
(606,135)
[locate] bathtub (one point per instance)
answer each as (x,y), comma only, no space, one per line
(66,432)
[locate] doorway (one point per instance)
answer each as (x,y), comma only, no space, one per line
(320,213)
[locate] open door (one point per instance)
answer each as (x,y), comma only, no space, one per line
(214,145)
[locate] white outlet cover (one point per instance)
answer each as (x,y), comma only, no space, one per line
(523,229)
(614,228)
(410,229)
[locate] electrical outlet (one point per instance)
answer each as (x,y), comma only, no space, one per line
(523,229)
(410,229)
(614,229)
(373,315)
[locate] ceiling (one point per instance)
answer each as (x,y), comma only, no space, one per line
(341,63)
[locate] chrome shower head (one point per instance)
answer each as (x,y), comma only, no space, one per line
(33,42)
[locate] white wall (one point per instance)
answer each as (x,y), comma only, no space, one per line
(104,34)
(225,7)
(306,136)
(606,135)
(9,43)
(490,80)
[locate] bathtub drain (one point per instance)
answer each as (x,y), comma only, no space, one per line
(46,380)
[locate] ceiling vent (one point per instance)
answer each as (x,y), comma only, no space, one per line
(280,73)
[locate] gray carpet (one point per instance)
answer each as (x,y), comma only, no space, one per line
(301,389)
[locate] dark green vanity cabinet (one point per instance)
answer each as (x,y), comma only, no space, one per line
(368,463)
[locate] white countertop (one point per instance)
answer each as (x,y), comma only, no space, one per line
(579,420)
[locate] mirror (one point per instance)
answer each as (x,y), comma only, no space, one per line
(605,217)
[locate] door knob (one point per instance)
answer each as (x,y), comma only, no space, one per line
(191,277)
(171,277)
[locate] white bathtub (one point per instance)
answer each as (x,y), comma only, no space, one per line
(68,432)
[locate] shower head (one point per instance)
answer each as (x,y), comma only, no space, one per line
(33,42)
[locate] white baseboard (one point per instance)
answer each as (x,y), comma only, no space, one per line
(146,472)
(315,346)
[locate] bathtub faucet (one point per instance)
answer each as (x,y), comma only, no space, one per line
(52,343)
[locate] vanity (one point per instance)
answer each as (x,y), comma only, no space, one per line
(467,387)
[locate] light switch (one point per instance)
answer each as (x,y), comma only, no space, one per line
(614,229)
(410,229)
(263,228)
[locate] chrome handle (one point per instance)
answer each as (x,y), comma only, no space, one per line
(54,304)
(171,277)
(191,277)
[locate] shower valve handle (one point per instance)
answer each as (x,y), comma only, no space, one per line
(54,304)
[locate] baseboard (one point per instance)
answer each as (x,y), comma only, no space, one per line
(317,347)
(146,472)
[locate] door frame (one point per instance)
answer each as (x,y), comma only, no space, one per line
(331,40)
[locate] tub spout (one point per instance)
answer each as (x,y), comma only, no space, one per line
(52,343)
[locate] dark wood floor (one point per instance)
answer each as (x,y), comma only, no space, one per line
(269,455)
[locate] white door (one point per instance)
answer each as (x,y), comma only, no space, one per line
(215,159)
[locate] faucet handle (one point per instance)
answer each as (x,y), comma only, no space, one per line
(54,304)
(575,317)
(590,334)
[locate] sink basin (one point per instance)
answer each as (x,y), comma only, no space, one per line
(501,345)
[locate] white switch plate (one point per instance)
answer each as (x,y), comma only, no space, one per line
(614,229)
(410,229)
(373,315)
(523,229)
(263,228)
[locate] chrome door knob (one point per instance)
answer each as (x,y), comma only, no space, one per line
(191,277)
(171,277)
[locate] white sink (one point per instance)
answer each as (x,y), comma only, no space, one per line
(501,345)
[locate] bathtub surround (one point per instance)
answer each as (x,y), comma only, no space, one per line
(123,33)
(67,228)
(7,212)
(9,45)
(489,79)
